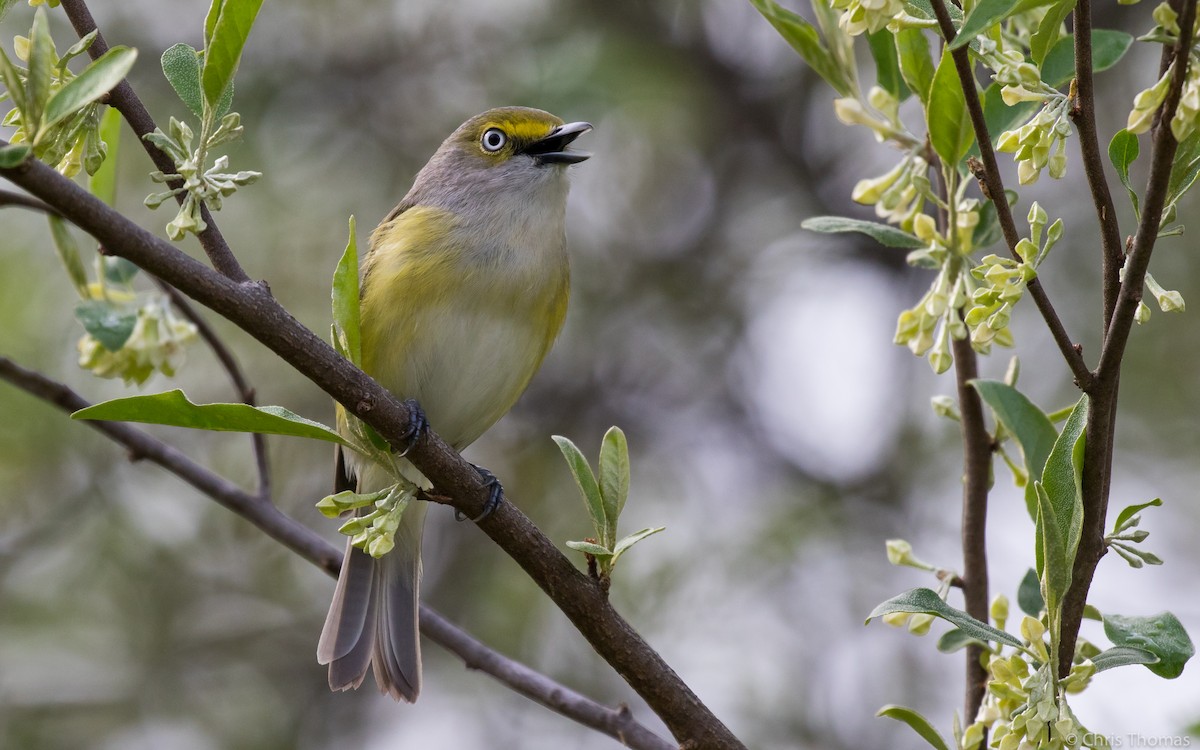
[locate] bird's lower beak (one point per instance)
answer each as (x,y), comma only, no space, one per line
(552,148)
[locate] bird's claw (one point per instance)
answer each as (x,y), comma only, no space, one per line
(495,496)
(418,425)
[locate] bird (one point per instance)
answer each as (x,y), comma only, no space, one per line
(463,290)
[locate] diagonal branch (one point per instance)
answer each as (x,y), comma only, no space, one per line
(252,308)
(993,185)
(618,723)
(126,101)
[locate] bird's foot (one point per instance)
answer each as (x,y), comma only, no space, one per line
(495,496)
(418,425)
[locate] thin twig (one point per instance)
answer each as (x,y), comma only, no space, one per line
(1101,427)
(126,101)
(252,308)
(994,184)
(1083,113)
(977,467)
(20,200)
(244,390)
(617,723)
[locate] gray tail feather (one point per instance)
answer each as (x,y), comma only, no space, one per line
(373,616)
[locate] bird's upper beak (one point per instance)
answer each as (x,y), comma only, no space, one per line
(552,148)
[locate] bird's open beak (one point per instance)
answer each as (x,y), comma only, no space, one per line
(552,148)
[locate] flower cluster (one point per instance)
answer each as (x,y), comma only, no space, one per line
(374,531)
(883,116)
(895,194)
(203,186)
(869,16)
(156,344)
(1147,103)
(1005,281)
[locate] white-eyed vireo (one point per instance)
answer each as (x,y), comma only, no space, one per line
(463,291)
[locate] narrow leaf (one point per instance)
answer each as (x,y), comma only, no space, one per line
(181,66)
(346,320)
(919,724)
(1185,168)
(94,82)
(38,78)
(1162,635)
(804,38)
(5,7)
(927,601)
(985,14)
(1051,553)
(1120,656)
(173,408)
(11,80)
(593,549)
(1123,150)
(950,130)
(614,476)
(13,154)
(1060,479)
(1028,425)
(882,233)
(108,325)
(103,183)
(226,37)
(1049,30)
(916,66)
(586,481)
(1133,510)
(887,65)
(622,546)
(68,252)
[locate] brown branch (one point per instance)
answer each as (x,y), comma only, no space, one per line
(977,467)
(1098,448)
(994,189)
(126,101)
(252,308)
(9,198)
(229,363)
(617,723)
(1083,113)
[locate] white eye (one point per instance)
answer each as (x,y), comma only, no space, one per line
(493,139)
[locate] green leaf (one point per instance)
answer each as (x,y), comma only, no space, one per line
(5,7)
(346,322)
(181,66)
(1132,510)
(887,65)
(614,479)
(586,481)
(924,9)
(927,601)
(226,29)
(78,48)
(1049,30)
(12,81)
(13,155)
(884,234)
(919,724)
(955,640)
(95,81)
(119,270)
(916,66)
(1052,556)
(108,325)
(39,75)
(1123,150)
(173,408)
(1028,425)
(1029,594)
(622,546)
(804,38)
(68,253)
(1108,47)
(985,14)
(1185,168)
(950,130)
(1061,477)
(1120,656)
(595,550)
(332,506)
(1162,635)
(103,183)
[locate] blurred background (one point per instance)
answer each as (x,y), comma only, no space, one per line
(774,428)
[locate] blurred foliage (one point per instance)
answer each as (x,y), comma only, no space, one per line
(772,422)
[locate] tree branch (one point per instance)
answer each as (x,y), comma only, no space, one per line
(618,723)
(993,185)
(977,467)
(1083,113)
(9,198)
(126,101)
(1101,427)
(252,308)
